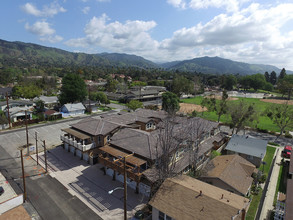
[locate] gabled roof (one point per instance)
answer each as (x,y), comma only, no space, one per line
(74,106)
(187,198)
(247,145)
(133,140)
(20,102)
(95,126)
(47,99)
(15,110)
(232,170)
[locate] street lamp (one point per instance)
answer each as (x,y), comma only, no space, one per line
(111,191)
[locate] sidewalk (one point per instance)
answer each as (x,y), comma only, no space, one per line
(270,194)
(88,183)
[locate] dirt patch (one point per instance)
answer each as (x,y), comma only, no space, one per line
(277,101)
(220,97)
(189,108)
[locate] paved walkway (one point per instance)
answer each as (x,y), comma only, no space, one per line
(88,183)
(270,195)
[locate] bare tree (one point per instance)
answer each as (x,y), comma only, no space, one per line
(177,145)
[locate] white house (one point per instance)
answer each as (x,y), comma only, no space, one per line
(73,109)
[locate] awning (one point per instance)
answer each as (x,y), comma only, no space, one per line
(76,133)
(118,153)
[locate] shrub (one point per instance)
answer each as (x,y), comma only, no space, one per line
(263,178)
(288,135)
(273,143)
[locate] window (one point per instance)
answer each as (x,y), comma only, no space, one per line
(108,138)
(163,216)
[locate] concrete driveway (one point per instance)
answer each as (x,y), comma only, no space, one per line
(90,185)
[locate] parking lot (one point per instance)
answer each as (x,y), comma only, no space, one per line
(90,185)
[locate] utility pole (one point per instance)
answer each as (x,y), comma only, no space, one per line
(45,151)
(8,113)
(26,129)
(37,151)
(125,189)
(90,108)
(23,177)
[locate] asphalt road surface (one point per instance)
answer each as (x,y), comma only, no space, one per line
(46,197)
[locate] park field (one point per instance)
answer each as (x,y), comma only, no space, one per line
(263,123)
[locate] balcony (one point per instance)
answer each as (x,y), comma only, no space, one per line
(119,167)
(65,139)
(88,146)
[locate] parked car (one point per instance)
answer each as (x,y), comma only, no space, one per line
(1,190)
(287,152)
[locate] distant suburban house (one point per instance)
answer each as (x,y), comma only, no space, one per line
(73,109)
(52,115)
(184,197)
(18,113)
(16,103)
(230,172)
(4,91)
(49,101)
(251,149)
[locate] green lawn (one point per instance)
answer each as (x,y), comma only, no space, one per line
(253,206)
(268,159)
(260,106)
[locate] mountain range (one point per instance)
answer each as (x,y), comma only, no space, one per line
(27,54)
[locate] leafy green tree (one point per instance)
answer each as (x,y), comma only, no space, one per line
(273,78)
(181,85)
(40,105)
(258,81)
(134,104)
(285,85)
(111,85)
(102,98)
(268,86)
(241,114)
(267,76)
(229,82)
(245,82)
(73,89)
(170,102)
(282,74)
(282,116)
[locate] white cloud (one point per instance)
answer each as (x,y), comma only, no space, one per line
(177,3)
(40,28)
(85,10)
(229,5)
(43,29)
(132,36)
(52,39)
(47,11)
(255,34)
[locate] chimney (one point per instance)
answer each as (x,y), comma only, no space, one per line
(222,196)
(200,193)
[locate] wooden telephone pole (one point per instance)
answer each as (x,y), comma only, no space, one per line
(8,114)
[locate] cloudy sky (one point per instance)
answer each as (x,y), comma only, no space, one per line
(253,31)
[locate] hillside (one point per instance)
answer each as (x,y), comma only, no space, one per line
(19,54)
(217,65)
(27,54)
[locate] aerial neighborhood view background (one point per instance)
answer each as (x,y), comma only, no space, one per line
(117,120)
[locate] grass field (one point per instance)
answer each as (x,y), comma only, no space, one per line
(264,121)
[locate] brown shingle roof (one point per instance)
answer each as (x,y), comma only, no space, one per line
(233,170)
(180,198)
(95,126)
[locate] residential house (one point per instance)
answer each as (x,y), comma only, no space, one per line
(49,101)
(250,148)
(73,109)
(18,113)
(184,197)
(230,172)
(289,193)
(16,103)
(136,134)
(52,115)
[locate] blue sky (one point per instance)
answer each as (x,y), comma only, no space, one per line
(252,31)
